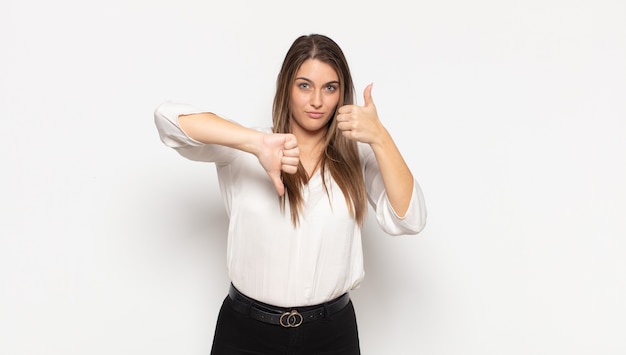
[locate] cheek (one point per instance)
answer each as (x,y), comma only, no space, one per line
(333,101)
(296,99)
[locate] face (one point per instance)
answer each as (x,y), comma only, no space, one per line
(314,97)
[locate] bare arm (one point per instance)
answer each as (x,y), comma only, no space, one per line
(361,123)
(396,174)
(276,152)
(209,128)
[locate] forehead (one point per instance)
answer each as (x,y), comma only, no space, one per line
(317,71)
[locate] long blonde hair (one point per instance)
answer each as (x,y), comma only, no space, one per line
(340,156)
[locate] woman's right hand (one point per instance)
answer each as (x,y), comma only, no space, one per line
(279,152)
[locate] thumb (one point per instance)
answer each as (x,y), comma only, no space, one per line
(278,182)
(367,95)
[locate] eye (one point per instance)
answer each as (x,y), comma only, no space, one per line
(331,88)
(304,85)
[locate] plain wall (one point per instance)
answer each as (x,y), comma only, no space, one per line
(511,114)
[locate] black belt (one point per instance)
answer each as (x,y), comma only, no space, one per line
(285,317)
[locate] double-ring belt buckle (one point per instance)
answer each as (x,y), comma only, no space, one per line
(291,319)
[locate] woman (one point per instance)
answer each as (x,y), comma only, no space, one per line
(296,197)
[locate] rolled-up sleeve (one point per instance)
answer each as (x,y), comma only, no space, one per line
(166,120)
(414,219)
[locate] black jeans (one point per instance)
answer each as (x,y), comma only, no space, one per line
(238,334)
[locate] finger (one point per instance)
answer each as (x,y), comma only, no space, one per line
(290,141)
(290,161)
(294,152)
(346,109)
(278,183)
(290,169)
(345,117)
(349,134)
(344,126)
(367,96)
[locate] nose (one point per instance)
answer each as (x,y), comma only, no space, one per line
(316,99)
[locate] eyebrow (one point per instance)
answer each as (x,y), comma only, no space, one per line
(311,81)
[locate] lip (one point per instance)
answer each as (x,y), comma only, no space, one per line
(314,114)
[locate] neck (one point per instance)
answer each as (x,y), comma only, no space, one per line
(310,141)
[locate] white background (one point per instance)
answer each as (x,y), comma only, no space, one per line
(511,114)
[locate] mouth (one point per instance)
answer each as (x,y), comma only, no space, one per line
(314,114)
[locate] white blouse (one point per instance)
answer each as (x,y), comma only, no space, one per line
(268,258)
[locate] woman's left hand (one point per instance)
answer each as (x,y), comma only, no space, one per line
(361,123)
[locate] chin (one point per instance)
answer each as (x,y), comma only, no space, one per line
(317,127)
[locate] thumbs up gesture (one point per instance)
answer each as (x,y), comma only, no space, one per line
(361,123)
